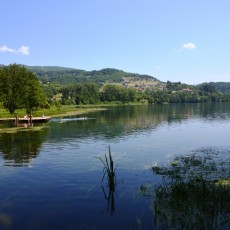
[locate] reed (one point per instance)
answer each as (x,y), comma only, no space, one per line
(109,173)
(109,170)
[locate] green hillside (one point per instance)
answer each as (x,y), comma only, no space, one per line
(221,87)
(65,76)
(60,85)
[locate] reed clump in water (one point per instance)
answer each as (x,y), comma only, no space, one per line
(194,193)
(109,170)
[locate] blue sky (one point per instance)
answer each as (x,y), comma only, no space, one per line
(179,40)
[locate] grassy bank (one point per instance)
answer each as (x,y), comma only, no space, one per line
(54,111)
(64,110)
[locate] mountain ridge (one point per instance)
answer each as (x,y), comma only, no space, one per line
(67,75)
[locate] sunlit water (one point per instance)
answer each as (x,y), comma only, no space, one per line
(52,178)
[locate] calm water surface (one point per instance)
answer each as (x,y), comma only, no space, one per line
(51,176)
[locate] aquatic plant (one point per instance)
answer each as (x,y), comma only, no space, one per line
(208,164)
(109,170)
(194,193)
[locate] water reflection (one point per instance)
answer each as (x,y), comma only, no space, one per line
(62,190)
(111,124)
(19,148)
(109,197)
(125,120)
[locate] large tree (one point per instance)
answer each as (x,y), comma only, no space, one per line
(20,89)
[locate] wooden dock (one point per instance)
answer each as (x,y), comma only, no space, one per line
(42,119)
(34,119)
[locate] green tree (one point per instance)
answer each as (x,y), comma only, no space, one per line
(81,93)
(34,97)
(112,92)
(20,89)
(208,87)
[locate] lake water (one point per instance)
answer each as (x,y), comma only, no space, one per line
(51,176)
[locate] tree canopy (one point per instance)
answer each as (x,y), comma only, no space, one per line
(20,89)
(81,93)
(117,93)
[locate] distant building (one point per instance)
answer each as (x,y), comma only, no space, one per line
(187,90)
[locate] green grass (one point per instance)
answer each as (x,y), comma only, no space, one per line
(64,110)
(110,104)
(54,111)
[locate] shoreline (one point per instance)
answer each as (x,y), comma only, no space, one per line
(65,111)
(64,114)
(73,113)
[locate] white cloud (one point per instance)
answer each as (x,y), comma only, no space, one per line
(6,49)
(25,50)
(189,46)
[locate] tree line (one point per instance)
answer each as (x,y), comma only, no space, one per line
(20,88)
(91,93)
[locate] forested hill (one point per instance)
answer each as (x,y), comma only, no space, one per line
(64,76)
(223,87)
(57,73)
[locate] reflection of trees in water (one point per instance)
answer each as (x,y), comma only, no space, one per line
(124,120)
(114,122)
(20,147)
(214,110)
(195,192)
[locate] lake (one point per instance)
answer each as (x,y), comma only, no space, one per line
(51,174)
